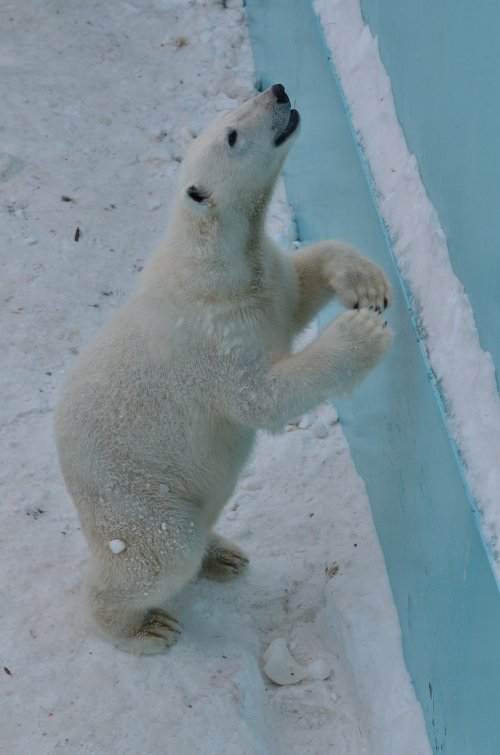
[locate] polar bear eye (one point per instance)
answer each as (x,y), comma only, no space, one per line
(231,137)
(196,194)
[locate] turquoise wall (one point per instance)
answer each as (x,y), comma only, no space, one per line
(443,586)
(442,57)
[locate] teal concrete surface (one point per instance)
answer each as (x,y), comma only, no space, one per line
(442,58)
(442,581)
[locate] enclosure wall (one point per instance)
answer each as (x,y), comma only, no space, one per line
(442,59)
(443,585)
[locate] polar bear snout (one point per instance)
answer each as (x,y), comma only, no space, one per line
(279,92)
(290,128)
(288,120)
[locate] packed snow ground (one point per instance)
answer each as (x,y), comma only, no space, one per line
(94,96)
(466,374)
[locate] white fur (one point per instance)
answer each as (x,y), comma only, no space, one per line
(160,411)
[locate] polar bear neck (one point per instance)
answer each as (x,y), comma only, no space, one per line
(221,256)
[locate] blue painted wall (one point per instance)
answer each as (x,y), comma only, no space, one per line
(443,60)
(444,588)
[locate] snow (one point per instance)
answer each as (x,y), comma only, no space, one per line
(95,97)
(465,373)
(117,546)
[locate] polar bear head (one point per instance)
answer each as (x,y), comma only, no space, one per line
(233,165)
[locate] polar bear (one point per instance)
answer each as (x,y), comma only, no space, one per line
(161,410)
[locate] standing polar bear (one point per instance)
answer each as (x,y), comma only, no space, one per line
(161,409)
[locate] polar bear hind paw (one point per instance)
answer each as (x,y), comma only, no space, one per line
(223,560)
(155,635)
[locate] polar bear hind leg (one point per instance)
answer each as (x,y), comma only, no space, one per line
(134,572)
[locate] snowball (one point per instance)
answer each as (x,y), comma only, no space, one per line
(117,546)
(319,670)
(280,666)
(330,414)
(319,430)
(306,421)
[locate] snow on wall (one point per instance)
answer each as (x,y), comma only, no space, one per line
(465,373)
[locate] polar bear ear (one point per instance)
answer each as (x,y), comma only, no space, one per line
(198,199)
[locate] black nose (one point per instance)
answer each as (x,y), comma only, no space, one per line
(279,93)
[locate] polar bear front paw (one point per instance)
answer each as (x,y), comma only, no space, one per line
(360,284)
(223,560)
(366,336)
